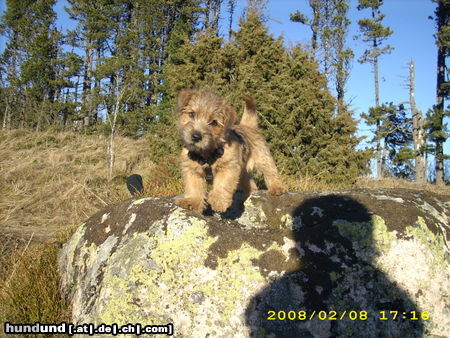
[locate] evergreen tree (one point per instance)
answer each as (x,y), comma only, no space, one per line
(343,56)
(315,140)
(10,61)
(329,26)
(314,23)
(93,29)
(212,15)
(184,23)
(29,61)
(398,132)
(231,9)
(395,132)
(295,110)
(374,34)
(437,128)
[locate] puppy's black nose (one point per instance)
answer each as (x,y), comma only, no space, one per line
(196,136)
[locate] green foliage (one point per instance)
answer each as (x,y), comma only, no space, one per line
(373,32)
(394,132)
(437,131)
(29,62)
(296,112)
(329,26)
(436,125)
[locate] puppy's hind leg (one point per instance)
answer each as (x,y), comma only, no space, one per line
(265,164)
(247,185)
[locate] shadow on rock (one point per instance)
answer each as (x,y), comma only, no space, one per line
(337,288)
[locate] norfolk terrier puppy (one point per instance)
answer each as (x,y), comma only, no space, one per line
(218,150)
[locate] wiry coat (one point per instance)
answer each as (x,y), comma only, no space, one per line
(214,143)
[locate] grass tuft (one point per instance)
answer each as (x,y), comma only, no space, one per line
(29,292)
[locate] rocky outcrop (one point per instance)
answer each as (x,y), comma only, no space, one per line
(359,263)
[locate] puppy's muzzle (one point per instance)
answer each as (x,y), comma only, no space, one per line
(196,137)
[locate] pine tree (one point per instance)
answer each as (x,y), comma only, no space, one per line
(10,61)
(94,27)
(30,61)
(343,56)
(395,132)
(398,139)
(376,116)
(295,110)
(231,9)
(316,140)
(314,23)
(329,26)
(437,127)
(183,24)
(374,34)
(212,15)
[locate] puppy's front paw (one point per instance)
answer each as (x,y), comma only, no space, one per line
(277,189)
(190,203)
(218,202)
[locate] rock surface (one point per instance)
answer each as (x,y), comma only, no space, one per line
(357,263)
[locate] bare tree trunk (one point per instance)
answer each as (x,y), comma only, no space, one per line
(314,26)
(380,152)
(231,8)
(87,85)
(7,114)
(8,121)
(377,85)
(6,117)
(340,82)
(418,129)
(439,152)
(77,83)
(112,123)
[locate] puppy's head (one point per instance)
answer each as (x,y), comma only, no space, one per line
(204,121)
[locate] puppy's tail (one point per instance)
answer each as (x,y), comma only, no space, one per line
(249,117)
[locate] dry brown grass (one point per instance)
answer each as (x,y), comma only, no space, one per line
(308,183)
(30,292)
(392,183)
(50,183)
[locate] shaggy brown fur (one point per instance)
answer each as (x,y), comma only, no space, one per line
(215,145)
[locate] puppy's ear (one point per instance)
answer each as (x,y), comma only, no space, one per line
(230,117)
(184,96)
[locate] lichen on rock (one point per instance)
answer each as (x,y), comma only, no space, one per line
(302,264)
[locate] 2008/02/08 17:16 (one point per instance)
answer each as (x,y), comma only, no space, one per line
(352,315)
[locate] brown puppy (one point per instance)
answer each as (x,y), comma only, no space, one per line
(218,150)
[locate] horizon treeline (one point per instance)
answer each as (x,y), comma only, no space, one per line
(126,60)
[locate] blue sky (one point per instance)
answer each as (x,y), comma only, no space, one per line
(412,40)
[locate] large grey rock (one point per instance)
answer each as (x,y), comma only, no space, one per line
(299,265)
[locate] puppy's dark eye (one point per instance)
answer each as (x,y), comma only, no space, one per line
(191,114)
(213,123)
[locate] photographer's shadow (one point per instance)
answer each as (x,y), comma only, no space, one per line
(335,288)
